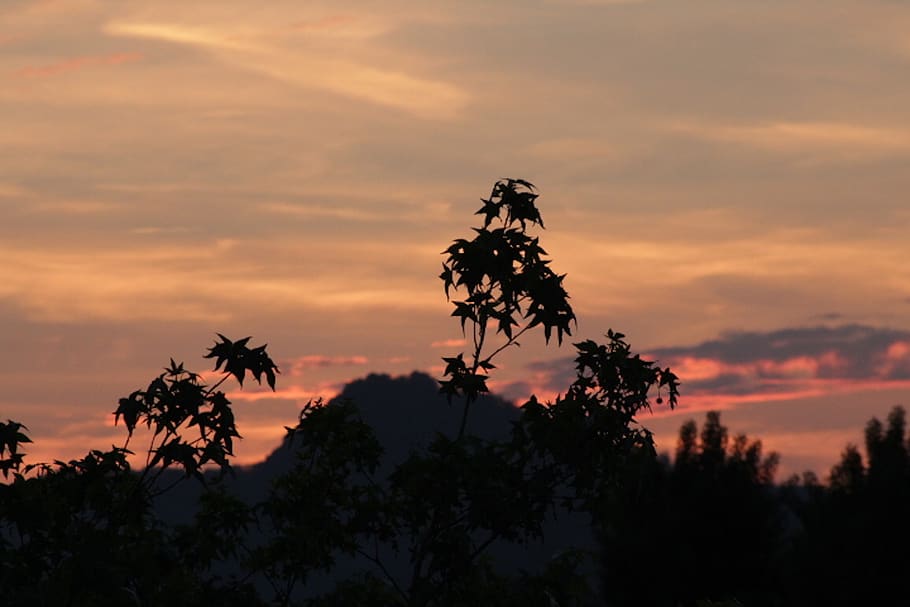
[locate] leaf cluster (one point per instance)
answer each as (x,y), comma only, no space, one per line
(11,437)
(178,399)
(504,271)
(237,359)
(508,284)
(588,434)
(83,532)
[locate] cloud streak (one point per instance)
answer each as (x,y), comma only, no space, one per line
(786,364)
(300,365)
(823,140)
(75,64)
(312,68)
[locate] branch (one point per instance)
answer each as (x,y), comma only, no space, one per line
(378,562)
(211,390)
(512,341)
(477,551)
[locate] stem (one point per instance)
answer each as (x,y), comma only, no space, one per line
(512,341)
(161,492)
(464,419)
(378,562)
(211,390)
(481,328)
(477,551)
(480,334)
(478,346)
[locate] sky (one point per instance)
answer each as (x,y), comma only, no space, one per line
(723,182)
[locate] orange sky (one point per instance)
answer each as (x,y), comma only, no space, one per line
(710,173)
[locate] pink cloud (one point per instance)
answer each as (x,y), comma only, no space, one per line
(448,343)
(297,366)
(899,350)
(295,393)
(77,63)
(743,368)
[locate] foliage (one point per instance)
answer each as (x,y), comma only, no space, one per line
(84,532)
(507,281)
(444,506)
(10,440)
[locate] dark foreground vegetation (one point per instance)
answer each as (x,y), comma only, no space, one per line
(719,527)
(354,510)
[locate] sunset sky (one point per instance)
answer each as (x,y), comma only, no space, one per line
(724,182)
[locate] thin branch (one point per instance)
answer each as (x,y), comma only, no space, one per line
(211,390)
(464,418)
(161,492)
(479,550)
(512,341)
(378,562)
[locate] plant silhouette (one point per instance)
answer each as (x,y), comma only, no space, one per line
(83,532)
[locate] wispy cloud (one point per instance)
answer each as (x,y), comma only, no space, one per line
(313,68)
(448,343)
(75,64)
(199,36)
(307,211)
(287,393)
(298,366)
(832,140)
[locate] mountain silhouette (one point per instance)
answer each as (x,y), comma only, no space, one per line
(406,413)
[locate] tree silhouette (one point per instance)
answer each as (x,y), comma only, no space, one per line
(711,514)
(84,532)
(852,549)
(444,506)
(848,476)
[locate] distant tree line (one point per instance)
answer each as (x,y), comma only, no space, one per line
(713,525)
